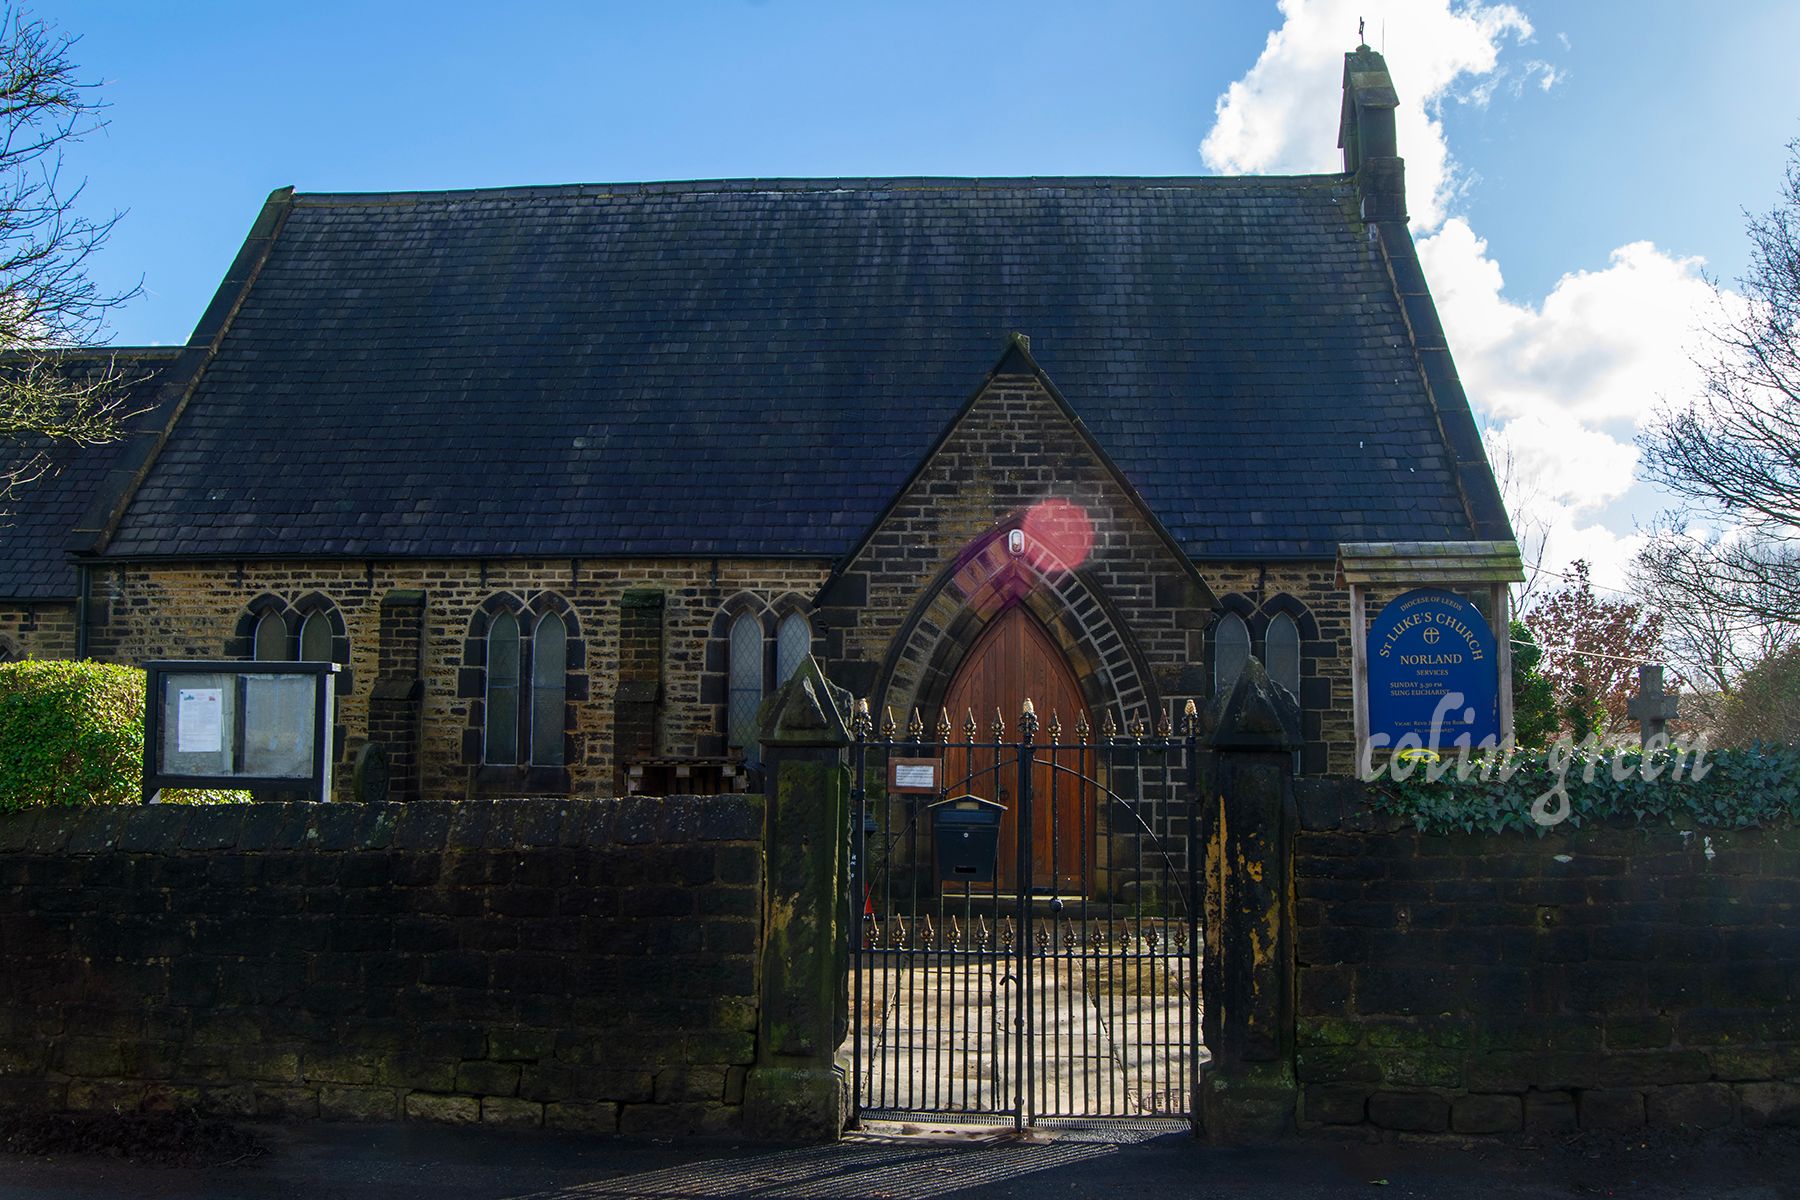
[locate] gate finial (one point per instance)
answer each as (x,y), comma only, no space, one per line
(943,725)
(970,729)
(1055,727)
(1137,729)
(1081,728)
(1108,729)
(887,720)
(1164,727)
(915,728)
(860,724)
(999,726)
(1190,718)
(1028,722)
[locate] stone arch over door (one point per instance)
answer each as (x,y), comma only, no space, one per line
(974,591)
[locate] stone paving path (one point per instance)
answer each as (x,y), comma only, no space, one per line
(1110,1034)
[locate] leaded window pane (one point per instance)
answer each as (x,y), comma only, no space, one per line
(271,639)
(503,691)
(549,675)
(1231,650)
(315,638)
(746,678)
(1283,650)
(793,642)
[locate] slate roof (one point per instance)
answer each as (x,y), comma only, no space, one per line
(755,367)
(35,525)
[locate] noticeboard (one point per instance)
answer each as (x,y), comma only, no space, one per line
(1425,645)
(238,725)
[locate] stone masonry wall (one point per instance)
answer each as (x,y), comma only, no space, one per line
(192,611)
(37,631)
(1013,450)
(576,964)
(1595,978)
(1328,724)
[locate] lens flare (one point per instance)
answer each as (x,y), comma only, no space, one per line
(1058,535)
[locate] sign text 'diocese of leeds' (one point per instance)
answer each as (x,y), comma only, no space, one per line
(1426,645)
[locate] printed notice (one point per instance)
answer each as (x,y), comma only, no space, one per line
(199,721)
(915,775)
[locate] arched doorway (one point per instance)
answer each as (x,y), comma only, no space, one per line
(1014,660)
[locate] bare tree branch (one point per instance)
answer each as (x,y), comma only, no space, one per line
(1732,455)
(47,299)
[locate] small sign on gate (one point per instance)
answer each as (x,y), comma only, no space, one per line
(913,776)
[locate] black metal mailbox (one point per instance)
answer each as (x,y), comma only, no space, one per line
(967,831)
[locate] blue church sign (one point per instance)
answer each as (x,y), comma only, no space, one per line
(1426,645)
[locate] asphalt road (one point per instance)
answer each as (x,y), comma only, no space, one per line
(325,1162)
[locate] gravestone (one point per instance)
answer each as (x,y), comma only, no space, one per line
(1652,708)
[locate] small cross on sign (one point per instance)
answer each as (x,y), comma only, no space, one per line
(1652,708)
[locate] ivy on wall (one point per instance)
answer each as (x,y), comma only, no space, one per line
(1724,789)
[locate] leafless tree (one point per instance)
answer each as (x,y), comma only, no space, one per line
(1717,599)
(47,299)
(1732,455)
(1524,502)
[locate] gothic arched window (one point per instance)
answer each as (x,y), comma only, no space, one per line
(549,685)
(793,642)
(502,738)
(746,680)
(1281,645)
(1231,649)
(272,639)
(315,638)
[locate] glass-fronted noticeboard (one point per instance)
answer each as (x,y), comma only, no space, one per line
(239,725)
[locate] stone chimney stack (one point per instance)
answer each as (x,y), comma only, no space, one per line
(1366,134)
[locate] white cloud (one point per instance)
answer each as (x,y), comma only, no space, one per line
(1562,383)
(1603,346)
(1280,117)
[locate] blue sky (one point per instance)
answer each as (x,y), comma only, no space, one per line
(1670,118)
(1661,121)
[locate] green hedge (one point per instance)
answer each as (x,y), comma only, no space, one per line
(1738,788)
(72,733)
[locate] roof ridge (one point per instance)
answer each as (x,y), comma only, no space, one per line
(827,184)
(69,352)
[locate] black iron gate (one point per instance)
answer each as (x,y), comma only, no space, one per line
(1065,984)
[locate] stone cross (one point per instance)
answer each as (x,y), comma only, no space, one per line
(1652,708)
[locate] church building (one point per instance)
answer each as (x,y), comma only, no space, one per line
(569,479)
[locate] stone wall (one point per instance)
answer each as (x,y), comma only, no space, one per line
(43,630)
(196,611)
(575,964)
(1116,597)
(1600,978)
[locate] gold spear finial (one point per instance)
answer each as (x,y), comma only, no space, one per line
(887,721)
(943,726)
(970,729)
(915,728)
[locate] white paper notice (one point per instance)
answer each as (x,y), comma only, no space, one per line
(917,775)
(199,721)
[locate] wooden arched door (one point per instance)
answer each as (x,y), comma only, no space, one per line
(1015,660)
